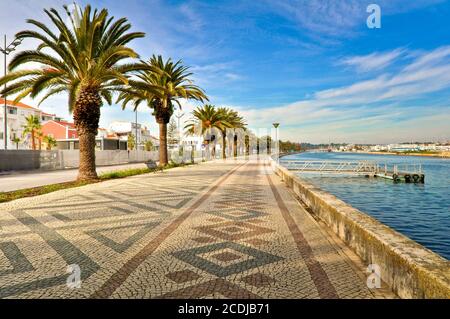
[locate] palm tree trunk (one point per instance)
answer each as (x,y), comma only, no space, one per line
(86,116)
(224,145)
(162,115)
(33,141)
(87,169)
(163,157)
(235,146)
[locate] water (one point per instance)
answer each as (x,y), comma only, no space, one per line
(421,212)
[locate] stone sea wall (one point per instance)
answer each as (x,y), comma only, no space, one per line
(411,270)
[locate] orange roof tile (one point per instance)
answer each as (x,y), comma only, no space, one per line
(64,123)
(19,104)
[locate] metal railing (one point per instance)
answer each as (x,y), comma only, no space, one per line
(361,167)
(331,166)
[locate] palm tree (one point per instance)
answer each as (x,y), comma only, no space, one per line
(40,137)
(161,89)
(206,120)
(50,141)
(16,141)
(81,57)
(33,127)
(232,120)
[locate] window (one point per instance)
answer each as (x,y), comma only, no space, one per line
(12,110)
(1,135)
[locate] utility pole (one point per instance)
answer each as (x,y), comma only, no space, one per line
(136,129)
(179,117)
(6,50)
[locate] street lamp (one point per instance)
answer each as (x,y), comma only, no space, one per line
(136,132)
(6,50)
(179,117)
(276,126)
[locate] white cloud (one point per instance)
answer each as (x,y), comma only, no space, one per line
(430,59)
(361,106)
(374,61)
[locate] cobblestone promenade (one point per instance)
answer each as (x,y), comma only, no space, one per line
(215,230)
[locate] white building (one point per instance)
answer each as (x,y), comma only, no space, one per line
(16,115)
(378,148)
(122,129)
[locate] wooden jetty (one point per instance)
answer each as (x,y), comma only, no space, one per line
(398,173)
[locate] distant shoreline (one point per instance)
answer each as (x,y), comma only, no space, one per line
(442,155)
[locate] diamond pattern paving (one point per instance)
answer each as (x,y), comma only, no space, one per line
(191,256)
(216,230)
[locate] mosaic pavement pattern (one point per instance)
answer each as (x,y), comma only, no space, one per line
(216,230)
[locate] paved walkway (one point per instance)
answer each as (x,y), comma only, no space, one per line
(221,230)
(11,181)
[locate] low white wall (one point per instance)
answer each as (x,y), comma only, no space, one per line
(13,160)
(70,159)
(21,160)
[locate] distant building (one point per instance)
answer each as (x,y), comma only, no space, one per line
(123,129)
(59,130)
(403,147)
(50,117)
(103,133)
(378,148)
(16,114)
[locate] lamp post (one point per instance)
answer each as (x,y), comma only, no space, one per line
(6,50)
(276,126)
(179,117)
(136,129)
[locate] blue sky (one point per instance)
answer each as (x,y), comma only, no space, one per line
(312,65)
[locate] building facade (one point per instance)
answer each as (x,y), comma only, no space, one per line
(59,130)
(16,115)
(123,129)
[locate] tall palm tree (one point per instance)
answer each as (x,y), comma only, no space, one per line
(206,120)
(32,127)
(230,119)
(84,57)
(40,137)
(50,141)
(161,89)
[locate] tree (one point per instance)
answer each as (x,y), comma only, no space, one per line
(32,128)
(131,141)
(207,121)
(40,137)
(50,141)
(16,141)
(149,146)
(172,133)
(230,120)
(83,55)
(266,143)
(161,89)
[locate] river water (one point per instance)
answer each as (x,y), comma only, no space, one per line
(419,211)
